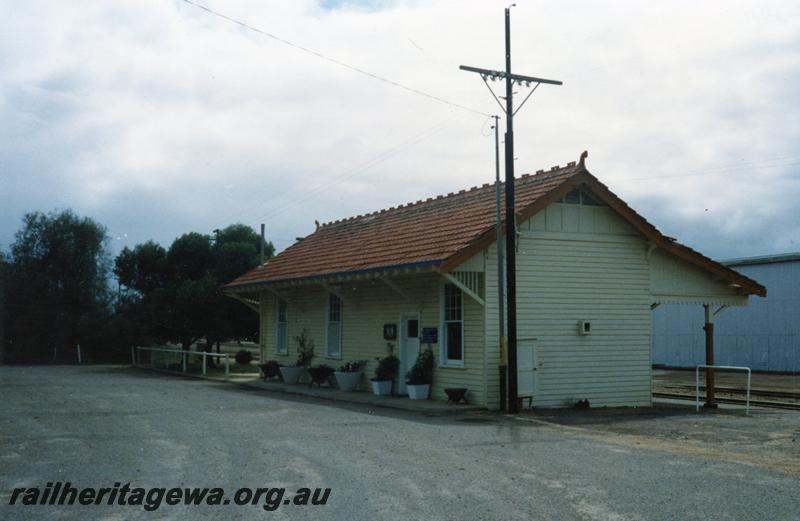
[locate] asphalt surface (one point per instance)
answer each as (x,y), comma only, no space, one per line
(94,426)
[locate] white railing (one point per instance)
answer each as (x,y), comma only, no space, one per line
(726,368)
(136,359)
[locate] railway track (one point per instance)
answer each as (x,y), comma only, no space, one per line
(737,401)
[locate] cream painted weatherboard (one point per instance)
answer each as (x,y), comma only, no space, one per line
(575,262)
(579,263)
(366,307)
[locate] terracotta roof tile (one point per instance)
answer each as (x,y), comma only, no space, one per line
(446,230)
(429,230)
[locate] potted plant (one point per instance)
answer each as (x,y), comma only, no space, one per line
(305,352)
(420,376)
(243,357)
(320,374)
(270,369)
(385,373)
(349,375)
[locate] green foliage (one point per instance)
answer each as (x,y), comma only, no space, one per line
(55,286)
(353,367)
(422,371)
(143,268)
(57,282)
(176,292)
(388,366)
(270,369)
(244,357)
(305,349)
(321,374)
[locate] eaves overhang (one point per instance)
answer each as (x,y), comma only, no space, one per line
(414,267)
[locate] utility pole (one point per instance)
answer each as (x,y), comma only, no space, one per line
(261,246)
(511,236)
(502,365)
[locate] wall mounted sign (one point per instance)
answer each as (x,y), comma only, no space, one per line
(430,335)
(390,331)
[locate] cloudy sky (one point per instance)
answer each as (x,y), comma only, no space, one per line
(156,118)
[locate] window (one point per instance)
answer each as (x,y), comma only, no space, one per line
(580,197)
(283,328)
(333,337)
(453,337)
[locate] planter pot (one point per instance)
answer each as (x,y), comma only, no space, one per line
(292,375)
(381,387)
(418,392)
(456,394)
(348,381)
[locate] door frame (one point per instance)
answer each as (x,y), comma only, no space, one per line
(534,360)
(404,367)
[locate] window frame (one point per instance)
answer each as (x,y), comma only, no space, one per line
(328,322)
(278,323)
(444,360)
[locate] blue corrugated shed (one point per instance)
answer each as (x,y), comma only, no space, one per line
(764,335)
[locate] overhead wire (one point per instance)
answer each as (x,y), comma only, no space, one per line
(332,60)
(760,164)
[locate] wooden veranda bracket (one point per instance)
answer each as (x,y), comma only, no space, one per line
(400,291)
(463,287)
(250,303)
(331,289)
(722,309)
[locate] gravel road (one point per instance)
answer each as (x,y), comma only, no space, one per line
(96,426)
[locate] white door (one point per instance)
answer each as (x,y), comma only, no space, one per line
(409,346)
(526,367)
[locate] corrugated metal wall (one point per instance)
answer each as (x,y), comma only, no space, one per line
(764,335)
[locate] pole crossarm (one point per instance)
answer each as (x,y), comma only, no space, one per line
(494,96)
(526,98)
(511,243)
(518,78)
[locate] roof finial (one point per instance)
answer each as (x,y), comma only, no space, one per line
(582,160)
(317,223)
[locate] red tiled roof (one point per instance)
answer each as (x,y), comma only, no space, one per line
(444,231)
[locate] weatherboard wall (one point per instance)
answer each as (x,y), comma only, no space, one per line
(366,306)
(576,263)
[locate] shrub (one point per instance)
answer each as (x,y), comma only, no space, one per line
(305,349)
(422,372)
(271,369)
(320,374)
(387,368)
(243,357)
(353,367)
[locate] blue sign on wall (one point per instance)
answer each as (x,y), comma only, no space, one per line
(430,335)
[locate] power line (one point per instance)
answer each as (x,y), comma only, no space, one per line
(332,60)
(386,154)
(346,174)
(763,164)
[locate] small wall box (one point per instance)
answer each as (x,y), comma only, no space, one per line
(584,327)
(390,331)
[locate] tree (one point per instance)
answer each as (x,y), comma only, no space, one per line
(3,317)
(177,291)
(236,250)
(57,284)
(141,270)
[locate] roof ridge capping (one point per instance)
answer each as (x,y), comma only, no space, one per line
(571,164)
